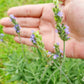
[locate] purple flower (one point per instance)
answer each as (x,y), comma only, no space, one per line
(57,43)
(32,36)
(1,40)
(53,46)
(67,31)
(32,31)
(34,41)
(60,14)
(49,52)
(18,31)
(68,37)
(61,51)
(2,34)
(67,26)
(56,31)
(62,56)
(17,28)
(55,56)
(31,39)
(12,17)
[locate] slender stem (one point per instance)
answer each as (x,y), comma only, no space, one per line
(64,50)
(24,56)
(60,70)
(39,52)
(21,45)
(61,63)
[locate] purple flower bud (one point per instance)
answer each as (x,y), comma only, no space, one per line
(67,31)
(32,31)
(32,36)
(1,40)
(62,56)
(61,51)
(18,31)
(67,26)
(57,43)
(49,52)
(55,56)
(56,31)
(54,47)
(12,17)
(60,14)
(34,41)
(2,34)
(17,28)
(68,37)
(31,39)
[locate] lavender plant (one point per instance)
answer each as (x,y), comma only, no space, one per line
(17,29)
(61,29)
(46,66)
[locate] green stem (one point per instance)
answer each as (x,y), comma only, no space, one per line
(21,45)
(60,70)
(24,56)
(39,52)
(64,50)
(61,63)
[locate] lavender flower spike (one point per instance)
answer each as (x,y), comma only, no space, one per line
(17,28)
(12,17)
(33,38)
(60,14)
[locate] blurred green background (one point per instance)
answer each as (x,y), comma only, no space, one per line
(13,46)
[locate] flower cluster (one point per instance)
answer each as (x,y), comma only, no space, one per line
(33,39)
(37,39)
(1,37)
(59,52)
(61,29)
(49,54)
(60,14)
(16,25)
(17,28)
